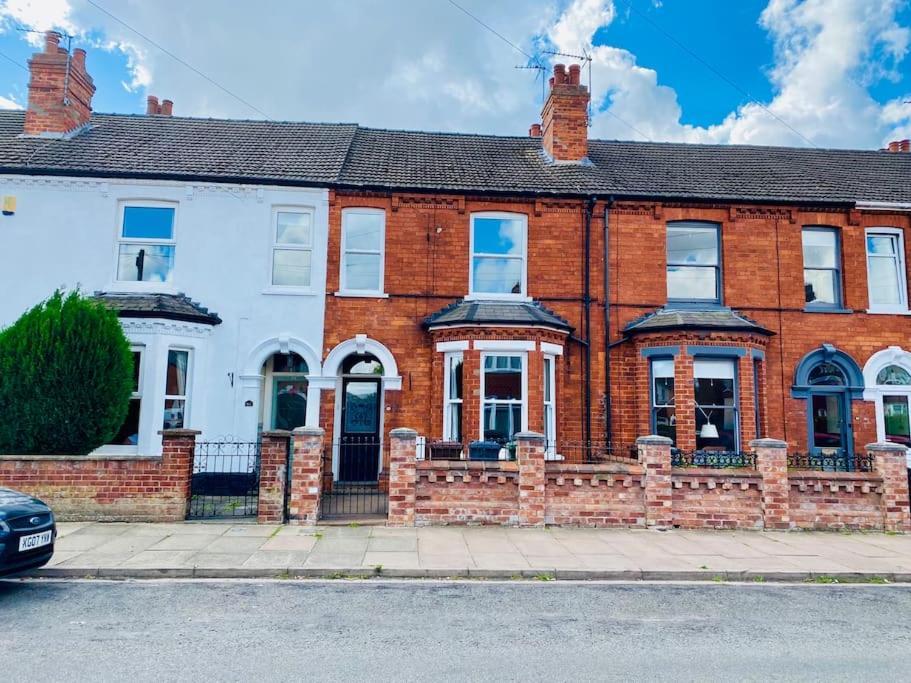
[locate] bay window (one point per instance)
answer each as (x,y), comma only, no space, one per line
(693,262)
(128,434)
(498,255)
(716,404)
(292,248)
(664,415)
(821,268)
(145,251)
(176,389)
(886,282)
(452,391)
(363,236)
(503,385)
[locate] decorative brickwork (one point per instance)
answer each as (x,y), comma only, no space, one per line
(655,458)
(402,476)
(464,492)
(273,476)
(891,465)
(530,459)
(306,472)
(706,498)
(564,119)
(127,488)
(772,464)
(603,495)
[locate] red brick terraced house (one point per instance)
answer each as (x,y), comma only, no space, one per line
(480,288)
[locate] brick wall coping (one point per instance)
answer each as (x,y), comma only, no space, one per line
(839,476)
(474,465)
(885,446)
(653,440)
(556,467)
(768,443)
(278,433)
(179,432)
(308,431)
(529,436)
(403,433)
(79,458)
(716,473)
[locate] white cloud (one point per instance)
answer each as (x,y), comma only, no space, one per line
(429,66)
(9,103)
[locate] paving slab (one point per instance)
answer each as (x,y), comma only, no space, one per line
(159,559)
(393,560)
(235,544)
(342,545)
(81,541)
(506,561)
(255,530)
(276,559)
(219,560)
(185,542)
(289,542)
(335,560)
(392,544)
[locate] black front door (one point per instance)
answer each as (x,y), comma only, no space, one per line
(359,445)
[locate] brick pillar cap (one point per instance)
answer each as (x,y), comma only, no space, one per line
(403,433)
(653,440)
(308,431)
(768,443)
(277,433)
(180,432)
(885,446)
(529,436)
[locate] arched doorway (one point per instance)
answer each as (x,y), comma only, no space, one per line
(887,379)
(829,379)
(359,434)
(284,402)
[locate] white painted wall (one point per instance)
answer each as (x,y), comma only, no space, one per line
(64,234)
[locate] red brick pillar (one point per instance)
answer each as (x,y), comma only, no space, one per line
(772,464)
(891,465)
(178,448)
(655,458)
(306,469)
(530,460)
(402,476)
(273,476)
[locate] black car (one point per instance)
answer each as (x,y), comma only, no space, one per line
(27,532)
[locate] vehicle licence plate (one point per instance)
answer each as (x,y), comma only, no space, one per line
(36,540)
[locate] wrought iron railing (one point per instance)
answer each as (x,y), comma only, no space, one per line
(713,459)
(356,484)
(591,452)
(225,481)
(831,462)
(573,452)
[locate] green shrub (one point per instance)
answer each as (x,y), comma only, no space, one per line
(66,375)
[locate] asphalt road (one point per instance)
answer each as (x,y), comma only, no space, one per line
(423,631)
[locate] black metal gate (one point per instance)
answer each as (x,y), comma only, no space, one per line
(360,489)
(225,482)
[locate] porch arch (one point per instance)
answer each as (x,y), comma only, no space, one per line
(281,344)
(361,344)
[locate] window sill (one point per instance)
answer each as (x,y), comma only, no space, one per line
(519,298)
(289,291)
(363,295)
(821,309)
(887,311)
(141,287)
(114,449)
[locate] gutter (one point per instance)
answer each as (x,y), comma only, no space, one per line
(608,402)
(587,349)
(883,206)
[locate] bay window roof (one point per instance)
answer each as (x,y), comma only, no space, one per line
(508,313)
(153,305)
(720,319)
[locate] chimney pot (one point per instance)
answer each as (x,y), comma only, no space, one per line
(905,145)
(559,73)
(51,42)
(535,130)
(152,107)
(79,58)
(899,146)
(574,72)
(894,146)
(167,107)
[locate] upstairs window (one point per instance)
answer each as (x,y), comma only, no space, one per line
(146,248)
(821,268)
(363,234)
(886,280)
(498,255)
(292,248)
(693,263)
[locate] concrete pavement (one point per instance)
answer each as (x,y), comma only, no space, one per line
(391,630)
(119,550)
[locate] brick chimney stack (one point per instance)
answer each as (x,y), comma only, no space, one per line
(899,146)
(60,90)
(153,108)
(534,130)
(564,119)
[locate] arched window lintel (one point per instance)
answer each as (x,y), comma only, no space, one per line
(827,353)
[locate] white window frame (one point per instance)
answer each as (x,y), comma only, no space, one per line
(902,306)
(189,385)
(879,361)
(344,290)
(550,419)
(120,239)
(523,295)
(524,356)
(122,449)
(275,245)
(448,402)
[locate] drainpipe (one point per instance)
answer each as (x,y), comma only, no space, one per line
(608,403)
(587,411)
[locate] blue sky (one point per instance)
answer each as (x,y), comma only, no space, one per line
(822,72)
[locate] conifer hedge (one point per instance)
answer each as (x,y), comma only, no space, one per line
(66,375)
